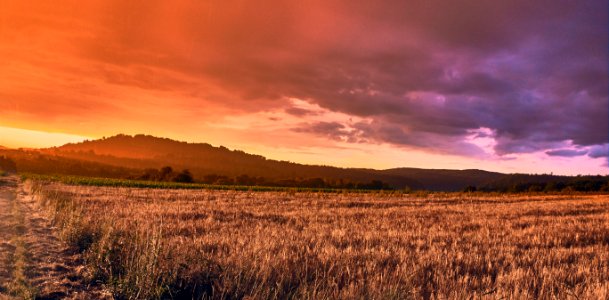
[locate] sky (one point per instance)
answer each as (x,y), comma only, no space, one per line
(509,86)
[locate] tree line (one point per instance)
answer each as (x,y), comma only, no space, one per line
(519,183)
(168,174)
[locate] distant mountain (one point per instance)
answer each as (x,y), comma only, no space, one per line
(144,151)
(142,157)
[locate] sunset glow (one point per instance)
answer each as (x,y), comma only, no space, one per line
(23,138)
(510,86)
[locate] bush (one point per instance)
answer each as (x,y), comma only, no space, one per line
(184,176)
(7,165)
(470,189)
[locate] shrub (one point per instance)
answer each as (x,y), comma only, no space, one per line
(7,165)
(184,176)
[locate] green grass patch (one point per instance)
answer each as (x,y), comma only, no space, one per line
(113,182)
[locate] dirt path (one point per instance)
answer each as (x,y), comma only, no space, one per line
(34,263)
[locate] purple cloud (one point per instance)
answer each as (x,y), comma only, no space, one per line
(299,112)
(566,152)
(425,73)
(536,89)
(332,130)
(598,151)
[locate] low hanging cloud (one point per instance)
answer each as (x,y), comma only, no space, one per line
(596,151)
(566,152)
(599,151)
(300,112)
(424,73)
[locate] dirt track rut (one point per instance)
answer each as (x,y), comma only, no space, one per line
(34,263)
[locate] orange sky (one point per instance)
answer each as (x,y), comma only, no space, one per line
(327,82)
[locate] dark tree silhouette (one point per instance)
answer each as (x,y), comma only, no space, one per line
(184,176)
(165,173)
(7,165)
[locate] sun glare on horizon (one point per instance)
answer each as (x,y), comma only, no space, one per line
(24,138)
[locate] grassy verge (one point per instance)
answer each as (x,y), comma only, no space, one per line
(19,286)
(112,182)
(132,258)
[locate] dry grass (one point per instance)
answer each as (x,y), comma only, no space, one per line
(17,260)
(266,245)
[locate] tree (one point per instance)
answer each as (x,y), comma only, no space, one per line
(150,174)
(184,176)
(165,173)
(470,189)
(7,165)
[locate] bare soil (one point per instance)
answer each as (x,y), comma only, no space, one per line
(34,262)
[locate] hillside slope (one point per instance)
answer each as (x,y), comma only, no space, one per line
(144,151)
(125,156)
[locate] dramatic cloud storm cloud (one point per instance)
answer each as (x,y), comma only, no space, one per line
(486,80)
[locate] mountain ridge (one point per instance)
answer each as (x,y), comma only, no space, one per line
(146,151)
(135,141)
(146,157)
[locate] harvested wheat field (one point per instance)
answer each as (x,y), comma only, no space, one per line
(152,243)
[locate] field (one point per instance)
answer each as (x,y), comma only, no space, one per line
(228,244)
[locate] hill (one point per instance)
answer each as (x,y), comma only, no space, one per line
(35,161)
(143,157)
(144,151)
(204,160)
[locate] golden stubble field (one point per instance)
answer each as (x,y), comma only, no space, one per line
(150,243)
